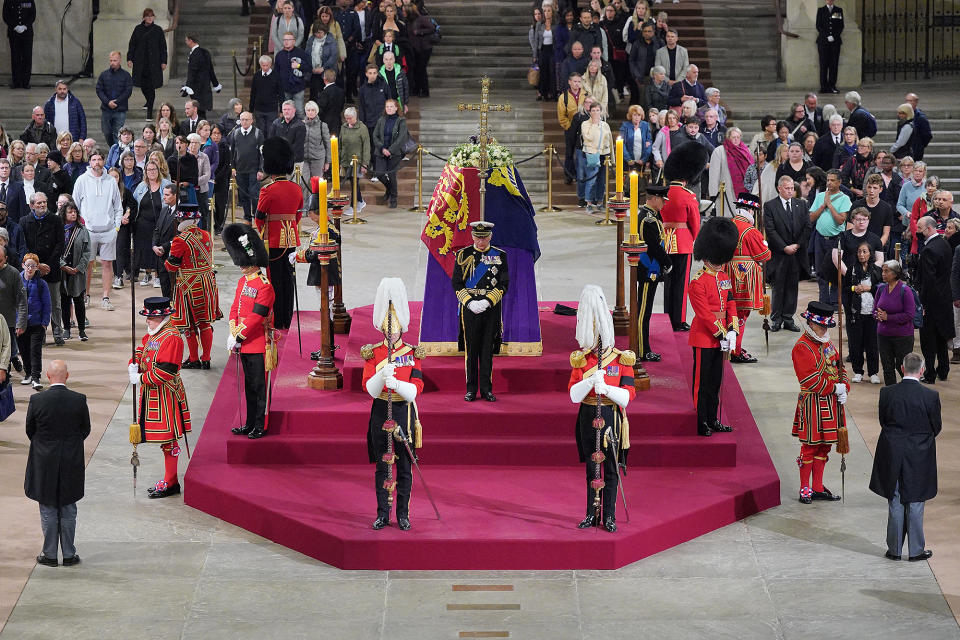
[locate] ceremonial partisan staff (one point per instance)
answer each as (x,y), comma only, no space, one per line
(135,424)
(843,438)
(389,425)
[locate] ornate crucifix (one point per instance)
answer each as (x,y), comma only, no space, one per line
(484,107)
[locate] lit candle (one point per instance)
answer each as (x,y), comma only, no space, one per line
(322,198)
(620,166)
(335,164)
(634,182)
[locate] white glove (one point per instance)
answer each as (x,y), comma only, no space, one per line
(292,257)
(601,388)
(476,306)
(842,399)
(598,376)
(218,88)
(388,371)
(484,304)
(619,396)
(134,377)
(732,337)
(840,389)
(829,38)
(390,382)
(20,28)
(724,345)
(133,368)
(580,390)
(231,342)
(186,90)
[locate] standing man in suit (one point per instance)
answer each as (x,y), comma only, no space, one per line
(58,421)
(829,28)
(814,112)
(826,146)
(11,193)
(355,26)
(905,465)
(19,16)
(787,221)
(330,102)
(936,259)
(191,119)
(200,77)
(266,94)
(164,233)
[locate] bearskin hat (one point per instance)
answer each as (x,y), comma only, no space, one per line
(686,162)
(717,241)
(277,156)
(245,246)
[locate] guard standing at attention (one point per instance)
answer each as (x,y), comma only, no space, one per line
(251,317)
(196,299)
(746,269)
(715,321)
(681,223)
(654,265)
(823,392)
(393,377)
(155,368)
(278,220)
(480,280)
(601,375)
(19,16)
(829,28)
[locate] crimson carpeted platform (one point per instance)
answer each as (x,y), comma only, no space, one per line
(505,475)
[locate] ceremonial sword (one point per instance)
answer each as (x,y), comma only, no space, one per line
(616,458)
(413,458)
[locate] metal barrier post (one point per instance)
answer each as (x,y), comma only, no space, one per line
(355,165)
(549,207)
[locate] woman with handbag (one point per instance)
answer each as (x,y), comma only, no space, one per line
(73,265)
(389,138)
(543,39)
(149,197)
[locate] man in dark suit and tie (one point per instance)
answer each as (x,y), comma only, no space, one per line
(191,118)
(787,222)
(11,192)
(905,465)
(330,102)
(826,145)
(829,28)
(58,421)
(201,79)
(163,234)
(349,20)
(933,274)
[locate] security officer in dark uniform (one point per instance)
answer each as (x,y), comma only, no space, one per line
(829,28)
(19,16)
(480,280)
(654,264)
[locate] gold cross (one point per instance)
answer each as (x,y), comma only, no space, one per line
(484,108)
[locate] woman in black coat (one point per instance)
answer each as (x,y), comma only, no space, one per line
(387,144)
(147,55)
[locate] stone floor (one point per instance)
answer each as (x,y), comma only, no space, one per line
(162,570)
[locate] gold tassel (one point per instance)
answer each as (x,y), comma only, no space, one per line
(843,441)
(625,432)
(418,434)
(766,305)
(134,433)
(270,357)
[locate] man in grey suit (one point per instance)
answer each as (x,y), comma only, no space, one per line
(787,221)
(905,465)
(58,422)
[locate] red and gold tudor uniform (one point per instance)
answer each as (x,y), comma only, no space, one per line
(819,414)
(278,221)
(196,301)
(617,369)
(715,315)
(746,271)
(406,359)
(163,412)
(250,323)
(681,224)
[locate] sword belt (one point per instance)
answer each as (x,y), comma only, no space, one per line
(479,292)
(592,401)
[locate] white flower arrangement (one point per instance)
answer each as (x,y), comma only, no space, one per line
(467,154)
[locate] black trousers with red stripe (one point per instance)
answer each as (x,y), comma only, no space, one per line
(707,378)
(647,291)
(675,289)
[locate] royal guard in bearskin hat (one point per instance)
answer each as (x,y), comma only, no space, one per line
(681,223)
(196,301)
(746,269)
(715,322)
(654,266)
(819,418)
(278,220)
(164,414)
(251,316)
(393,377)
(602,384)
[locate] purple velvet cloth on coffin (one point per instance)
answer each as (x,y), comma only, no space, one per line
(521,323)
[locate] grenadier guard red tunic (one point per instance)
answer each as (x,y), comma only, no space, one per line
(681,224)
(746,272)
(279,210)
(164,414)
(715,315)
(250,312)
(196,301)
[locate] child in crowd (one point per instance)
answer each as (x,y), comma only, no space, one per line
(30,342)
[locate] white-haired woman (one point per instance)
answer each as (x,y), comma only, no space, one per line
(354,141)
(316,144)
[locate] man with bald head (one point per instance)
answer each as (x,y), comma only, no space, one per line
(921,125)
(933,285)
(58,421)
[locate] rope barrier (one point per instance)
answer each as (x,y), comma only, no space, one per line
(249,65)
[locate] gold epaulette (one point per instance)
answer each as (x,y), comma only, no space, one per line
(366,351)
(628,358)
(685,188)
(578,359)
(419,352)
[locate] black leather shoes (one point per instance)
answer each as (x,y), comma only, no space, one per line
(403,523)
(610,525)
(890,556)
(826,494)
(163,493)
(45,561)
(587,522)
(190,364)
(256,433)
(742,358)
(926,380)
(719,426)
(241,431)
(205,365)
(488,396)
(703,429)
(470,396)
(926,555)
(69,562)
(791,326)
(380,523)
(775,326)
(650,356)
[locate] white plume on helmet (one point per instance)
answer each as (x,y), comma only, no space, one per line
(391,290)
(593,316)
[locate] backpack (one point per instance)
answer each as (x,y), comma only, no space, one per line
(872,130)
(917,306)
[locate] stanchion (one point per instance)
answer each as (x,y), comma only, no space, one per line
(325,375)
(606,221)
(633,249)
(233,199)
(549,208)
(621,317)
(259,48)
(233,52)
(341,319)
(419,208)
(355,165)
(298,180)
